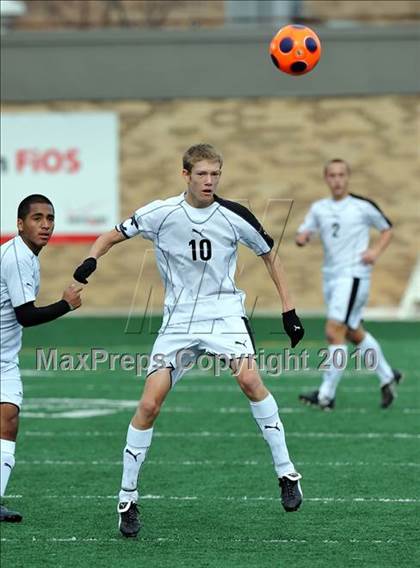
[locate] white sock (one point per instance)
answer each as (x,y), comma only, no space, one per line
(7,462)
(266,414)
(138,442)
(332,376)
(383,370)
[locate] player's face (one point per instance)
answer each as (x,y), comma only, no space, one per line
(202,183)
(337,178)
(37,227)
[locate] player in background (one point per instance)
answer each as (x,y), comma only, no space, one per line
(18,290)
(343,222)
(196,236)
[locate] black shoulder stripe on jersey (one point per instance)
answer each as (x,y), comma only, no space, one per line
(121,229)
(374,205)
(246,214)
(134,221)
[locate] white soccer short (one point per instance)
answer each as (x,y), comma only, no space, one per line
(11,388)
(177,347)
(345,298)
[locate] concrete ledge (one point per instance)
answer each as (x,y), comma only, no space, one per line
(163,64)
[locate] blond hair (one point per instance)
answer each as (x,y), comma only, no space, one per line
(200,152)
(337,161)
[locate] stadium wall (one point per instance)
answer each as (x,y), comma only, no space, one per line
(59,14)
(224,62)
(273,148)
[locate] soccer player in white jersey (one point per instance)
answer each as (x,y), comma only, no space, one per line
(343,222)
(195,236)
(18,290)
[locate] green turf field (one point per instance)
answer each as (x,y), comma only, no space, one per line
(210,497)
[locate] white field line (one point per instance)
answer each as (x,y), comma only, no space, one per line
(206,434)
(186,386)
(234,389)
(53,407)
(288,388)
(94,412)
(199,389)
(206,463)
(392,500)
(197,375)
(242,541)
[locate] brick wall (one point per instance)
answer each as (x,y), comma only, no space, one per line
(377,11)
(273,148)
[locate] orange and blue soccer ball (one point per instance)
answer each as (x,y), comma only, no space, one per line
(295,49)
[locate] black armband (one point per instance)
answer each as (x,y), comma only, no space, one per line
(82,272)
(293,327)
(29,315)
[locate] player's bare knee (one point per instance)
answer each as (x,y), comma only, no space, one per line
(335,332)
(9,421)
(356,336)
(149,408)
(352,336)
(331,335)
(250,383)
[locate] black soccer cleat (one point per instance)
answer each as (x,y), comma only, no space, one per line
(291,492)
(398,376)
(8,516)
(129,522)
(388,393)
(312,400)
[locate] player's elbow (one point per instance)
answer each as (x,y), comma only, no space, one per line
(268,257)
(387,235)
(105,242)
(24,315)
(24,322)
(113,237)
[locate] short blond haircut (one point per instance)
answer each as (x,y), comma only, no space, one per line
(337,161)
(200,152)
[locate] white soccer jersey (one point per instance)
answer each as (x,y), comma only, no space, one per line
(344,230)
(196,253)
(19,285)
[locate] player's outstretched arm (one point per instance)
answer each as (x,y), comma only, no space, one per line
(291,322)
(100,247)
(371,255)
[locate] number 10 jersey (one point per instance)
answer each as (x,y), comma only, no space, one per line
(196,253)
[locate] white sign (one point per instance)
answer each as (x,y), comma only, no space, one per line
(71,158)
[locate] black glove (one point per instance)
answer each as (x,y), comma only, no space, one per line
(83,271)
(293,327)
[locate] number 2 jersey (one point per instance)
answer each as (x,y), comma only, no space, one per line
(196,253)
(344,228)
